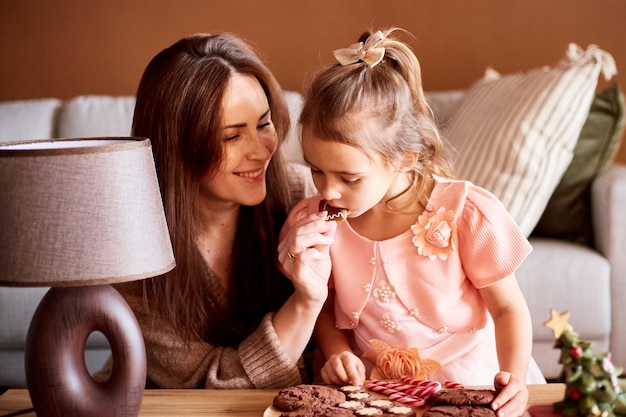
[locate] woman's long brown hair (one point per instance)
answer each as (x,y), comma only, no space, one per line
(179,108)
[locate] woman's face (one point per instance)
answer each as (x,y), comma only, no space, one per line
(249,141)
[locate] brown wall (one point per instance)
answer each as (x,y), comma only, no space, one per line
(64,48)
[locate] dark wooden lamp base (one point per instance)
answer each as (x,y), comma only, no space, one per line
(58,381)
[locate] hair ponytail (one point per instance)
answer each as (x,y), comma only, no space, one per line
(373,100)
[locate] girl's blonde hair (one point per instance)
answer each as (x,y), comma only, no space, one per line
(380,109)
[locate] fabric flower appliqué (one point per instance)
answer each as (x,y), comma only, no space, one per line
(434,234)
(393,363)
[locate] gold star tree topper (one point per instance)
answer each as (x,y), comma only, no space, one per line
(558,323)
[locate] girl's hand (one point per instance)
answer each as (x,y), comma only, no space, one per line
(512,397)
(303,253)
(344,368)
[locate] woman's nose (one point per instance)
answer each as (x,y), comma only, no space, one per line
(261,147)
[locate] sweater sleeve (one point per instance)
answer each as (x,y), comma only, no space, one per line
(258,362)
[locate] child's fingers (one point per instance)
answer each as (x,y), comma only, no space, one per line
(332,374)
(356,374)
(354,369)
(512,395)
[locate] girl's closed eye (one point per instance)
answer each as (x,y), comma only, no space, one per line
(351,181)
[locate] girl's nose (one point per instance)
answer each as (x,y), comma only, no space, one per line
(330,191)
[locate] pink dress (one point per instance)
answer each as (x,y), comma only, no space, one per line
(420,289)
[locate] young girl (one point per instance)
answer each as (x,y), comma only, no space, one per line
(423,269)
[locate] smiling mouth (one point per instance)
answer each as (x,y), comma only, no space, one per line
(250,174)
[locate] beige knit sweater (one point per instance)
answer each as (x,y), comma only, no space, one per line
(258,362)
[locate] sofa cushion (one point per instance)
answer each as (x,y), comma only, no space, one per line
(568,213)
(291,148)
(566,276)
(95,116)
(444,104)
(28,119)
(515,134)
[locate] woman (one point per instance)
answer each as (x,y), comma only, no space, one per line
(225,317)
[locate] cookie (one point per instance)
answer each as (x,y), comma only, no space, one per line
(351,405)
(311,396)
(462,396)
(299,412)
(349,389)
(382,404)
(335,411)
(401,411)
(459,411)
(369,411)
(362,396)
(337,214)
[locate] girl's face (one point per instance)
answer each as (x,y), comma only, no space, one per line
(346,177)
(249,139)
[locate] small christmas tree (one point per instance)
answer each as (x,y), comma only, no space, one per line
(593,388)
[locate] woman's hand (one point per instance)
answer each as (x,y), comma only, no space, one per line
(343,368)
(303,253)
(512,397)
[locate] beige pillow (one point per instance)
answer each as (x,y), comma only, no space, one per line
(515,134)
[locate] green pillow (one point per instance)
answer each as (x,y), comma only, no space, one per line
(568,214)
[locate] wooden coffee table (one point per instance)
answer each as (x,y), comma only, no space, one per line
(207,403)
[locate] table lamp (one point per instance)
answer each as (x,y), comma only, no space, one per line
(78,215)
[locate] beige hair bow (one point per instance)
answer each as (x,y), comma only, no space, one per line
(368,52)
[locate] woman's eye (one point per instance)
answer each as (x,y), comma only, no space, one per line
(351,181)
(264,125)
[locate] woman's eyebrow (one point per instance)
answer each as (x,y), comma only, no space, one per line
(237,125)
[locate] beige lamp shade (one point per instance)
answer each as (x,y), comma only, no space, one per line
(79,212)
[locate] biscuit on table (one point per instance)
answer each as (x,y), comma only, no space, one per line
(462,396)
(311,396)
(459,411)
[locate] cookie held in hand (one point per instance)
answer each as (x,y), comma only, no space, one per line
(337,214)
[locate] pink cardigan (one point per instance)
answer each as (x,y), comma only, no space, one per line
(442,294)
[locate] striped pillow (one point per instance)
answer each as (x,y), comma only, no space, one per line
(515,134)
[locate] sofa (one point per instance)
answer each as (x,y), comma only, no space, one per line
(587,281)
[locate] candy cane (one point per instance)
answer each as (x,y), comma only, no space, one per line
(394,385)
(420,382)
(394,394)
(408,400)
(380,387)
(424,390)
(422,387)
(452,384)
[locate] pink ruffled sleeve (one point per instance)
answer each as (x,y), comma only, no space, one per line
(491,245)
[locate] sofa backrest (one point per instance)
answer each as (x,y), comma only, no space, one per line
(28,119)
(103,115)
(89,116)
